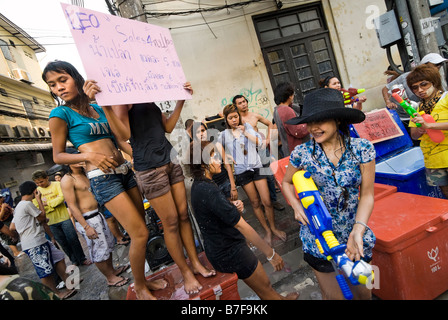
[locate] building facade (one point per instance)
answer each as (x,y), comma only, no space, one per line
(247,47)
(25,104)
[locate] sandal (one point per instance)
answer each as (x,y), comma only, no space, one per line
(122,269)
(124,241)
(119,283)
(69,294)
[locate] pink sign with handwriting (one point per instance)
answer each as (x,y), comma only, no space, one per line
(132,61)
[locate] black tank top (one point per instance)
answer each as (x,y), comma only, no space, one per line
(150,147)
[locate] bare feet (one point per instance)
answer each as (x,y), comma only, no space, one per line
(198,268)
(158,284)
(292,296)
(191,284)
(280,234)
(143,293)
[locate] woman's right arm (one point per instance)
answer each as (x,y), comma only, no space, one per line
(59,131)
(290,194)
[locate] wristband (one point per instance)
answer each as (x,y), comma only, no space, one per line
(363,224)
(273,254)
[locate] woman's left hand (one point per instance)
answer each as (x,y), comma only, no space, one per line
(277,262)
(187,86)
(91,89)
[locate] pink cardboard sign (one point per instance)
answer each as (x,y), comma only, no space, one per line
(132,61)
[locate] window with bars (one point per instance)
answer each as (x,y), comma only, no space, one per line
(289,25)
(296,47)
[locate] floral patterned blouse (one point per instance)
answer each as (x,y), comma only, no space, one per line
(331,182)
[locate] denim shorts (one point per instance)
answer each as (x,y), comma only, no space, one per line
(108,186)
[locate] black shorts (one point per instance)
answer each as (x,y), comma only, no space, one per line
(320,265)
(248,176)
(239,259)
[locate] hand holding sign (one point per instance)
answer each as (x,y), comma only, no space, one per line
(131,61)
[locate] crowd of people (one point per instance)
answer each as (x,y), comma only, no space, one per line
(102,189)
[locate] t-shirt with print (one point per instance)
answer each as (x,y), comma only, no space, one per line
(55,207)
(82,129)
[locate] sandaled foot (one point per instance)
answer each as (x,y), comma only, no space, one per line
(119,283)
(121,269)
(124,241)
(86,262)
(158,284)
(66,294)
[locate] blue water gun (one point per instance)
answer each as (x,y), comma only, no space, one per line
(359,272)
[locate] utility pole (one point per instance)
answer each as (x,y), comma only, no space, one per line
(131,9)
(426,41)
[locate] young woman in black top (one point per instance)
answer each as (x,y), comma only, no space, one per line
(225,231)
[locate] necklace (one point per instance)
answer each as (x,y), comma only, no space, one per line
(342,201)
(334,159)
(88,113)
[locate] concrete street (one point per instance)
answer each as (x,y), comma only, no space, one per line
(296,276)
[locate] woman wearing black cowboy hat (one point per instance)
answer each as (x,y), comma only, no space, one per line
(343,169)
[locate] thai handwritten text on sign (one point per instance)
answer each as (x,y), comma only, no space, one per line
(378,126)
(132,61)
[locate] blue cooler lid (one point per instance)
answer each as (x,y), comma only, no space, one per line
(389,148)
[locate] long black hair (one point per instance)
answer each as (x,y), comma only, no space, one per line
(82,102)
(198,169)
